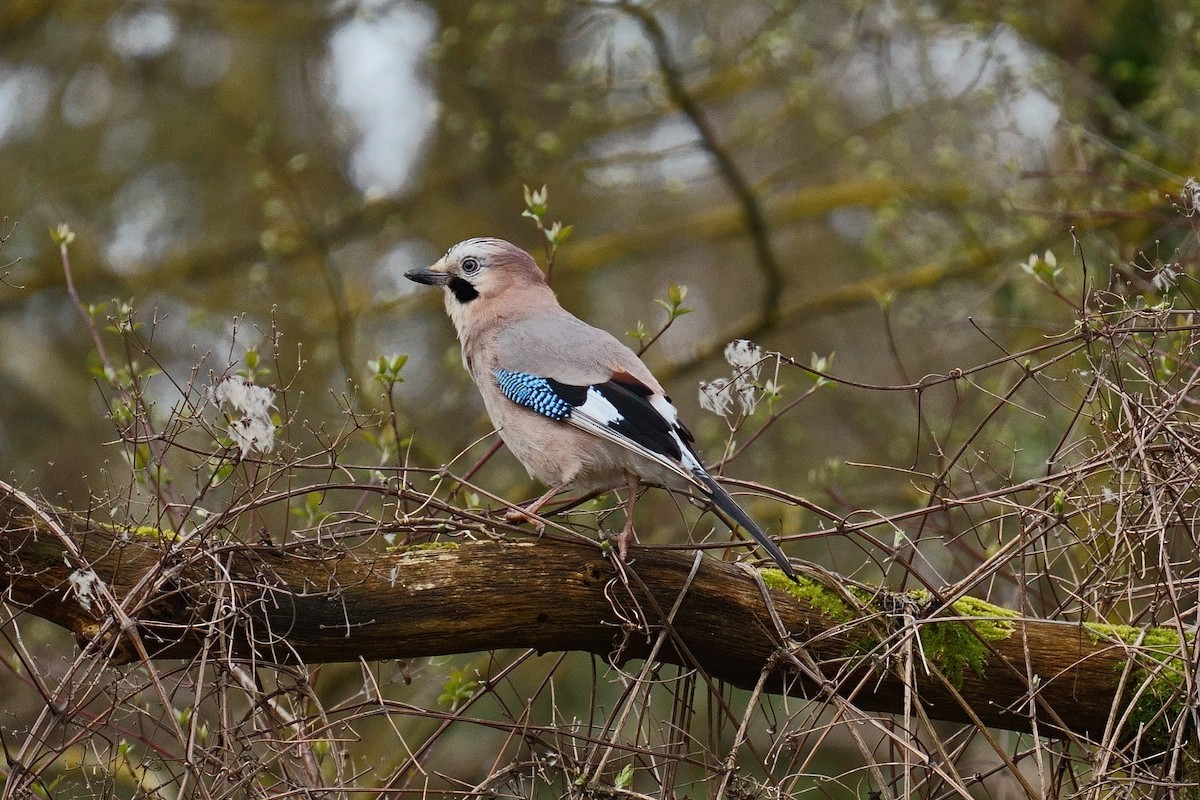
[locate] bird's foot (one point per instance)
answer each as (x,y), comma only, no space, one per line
(622,540)
(519,516)
(528,512)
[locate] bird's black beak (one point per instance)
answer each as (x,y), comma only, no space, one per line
(427,277)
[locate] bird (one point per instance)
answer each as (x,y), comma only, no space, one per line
(577,408)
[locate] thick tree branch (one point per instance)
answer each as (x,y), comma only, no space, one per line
(323,605)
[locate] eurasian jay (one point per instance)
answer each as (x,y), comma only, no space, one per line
(575,406)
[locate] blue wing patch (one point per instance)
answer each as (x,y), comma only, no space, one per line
(544,396)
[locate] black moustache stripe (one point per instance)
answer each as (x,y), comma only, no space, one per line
(464,291)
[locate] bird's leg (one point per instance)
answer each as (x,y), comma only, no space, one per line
(529,512)
(623,538)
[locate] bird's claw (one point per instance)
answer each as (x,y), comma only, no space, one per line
(519,516)
(621,540)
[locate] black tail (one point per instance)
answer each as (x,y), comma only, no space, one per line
(723,501)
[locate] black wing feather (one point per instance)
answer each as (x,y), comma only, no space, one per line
(640,421)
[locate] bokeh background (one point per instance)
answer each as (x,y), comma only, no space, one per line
(856,180)
(242,160)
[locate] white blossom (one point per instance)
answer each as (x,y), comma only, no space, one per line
(715,397)
(1165,278)
(83,584)
(748,395)
(745,357)
(250,424)
(1192,189)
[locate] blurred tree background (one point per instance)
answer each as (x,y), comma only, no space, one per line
(856,180)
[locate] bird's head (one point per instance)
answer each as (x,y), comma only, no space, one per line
(477,273)
(480,268)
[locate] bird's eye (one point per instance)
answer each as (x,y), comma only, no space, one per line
(470,265)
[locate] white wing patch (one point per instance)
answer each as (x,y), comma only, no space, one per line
(598,409)
(665,408)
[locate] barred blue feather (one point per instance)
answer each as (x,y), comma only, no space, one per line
(533,391)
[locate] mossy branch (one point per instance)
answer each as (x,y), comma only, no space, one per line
(818,639)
